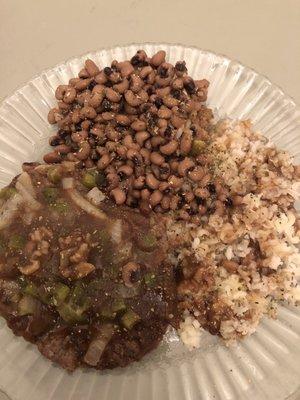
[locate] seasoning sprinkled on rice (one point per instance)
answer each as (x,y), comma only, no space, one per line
(237,266)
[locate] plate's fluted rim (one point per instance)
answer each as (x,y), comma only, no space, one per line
(165,44)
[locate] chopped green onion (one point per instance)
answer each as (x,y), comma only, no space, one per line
(147,242)
(60,206)
(118,305)
(60,293)
(197,147)
(16,242)
(54,175)
(70,314)
(89,180)
(150,279)
(7,192)
(129,319)
(31,289)
(50,194)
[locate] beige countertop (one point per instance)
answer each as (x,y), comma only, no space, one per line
(263,34)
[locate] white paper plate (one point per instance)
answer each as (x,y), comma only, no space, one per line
(264,366)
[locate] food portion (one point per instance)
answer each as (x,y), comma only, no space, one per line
(239,263)
(148,212)
(86,281)
(143,124)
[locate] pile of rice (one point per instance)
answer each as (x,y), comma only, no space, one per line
(259,237)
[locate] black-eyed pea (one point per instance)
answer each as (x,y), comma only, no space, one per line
(96,99)
(174,200)
(88,112)
(139,182)
(158,58)
(202,209)
(202,193)
(112,95)
(163,187)
(83,84)
(132,99)
(156,141)
(91,68)
(164,112)
(237,200)
(177,83)
(138,125)
(174,165)
(205,180)
(177,122)
(162,82)
(141,137)
(126,68)
(155,198)
(143,96)
(185,165)
(175,182)
(170,101)
(80,136)
(108,116)
(62,149)
(156,158)
(123,119)
(145,194)
(121,151)
(51,116)
(69,95)
(189,197)
(136,83)
(73,81)
(169,148)
(60,91)
(151,181)
(163,92)
(145,155)
(185,143)
(132,154)
(148,144)
(162,123)
(122,86)
(165,203)
(119,196)
(83,73)
(196,174)
(145,71)
(84,151)
(220,208)
(89,163)
(150,78)
(101,78)
(184,215)
(85,125)
(125,169)
(164,170)
(104,161)
(63,107)
(52,157)
(136,194)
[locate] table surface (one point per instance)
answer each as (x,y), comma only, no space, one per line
(263,34)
